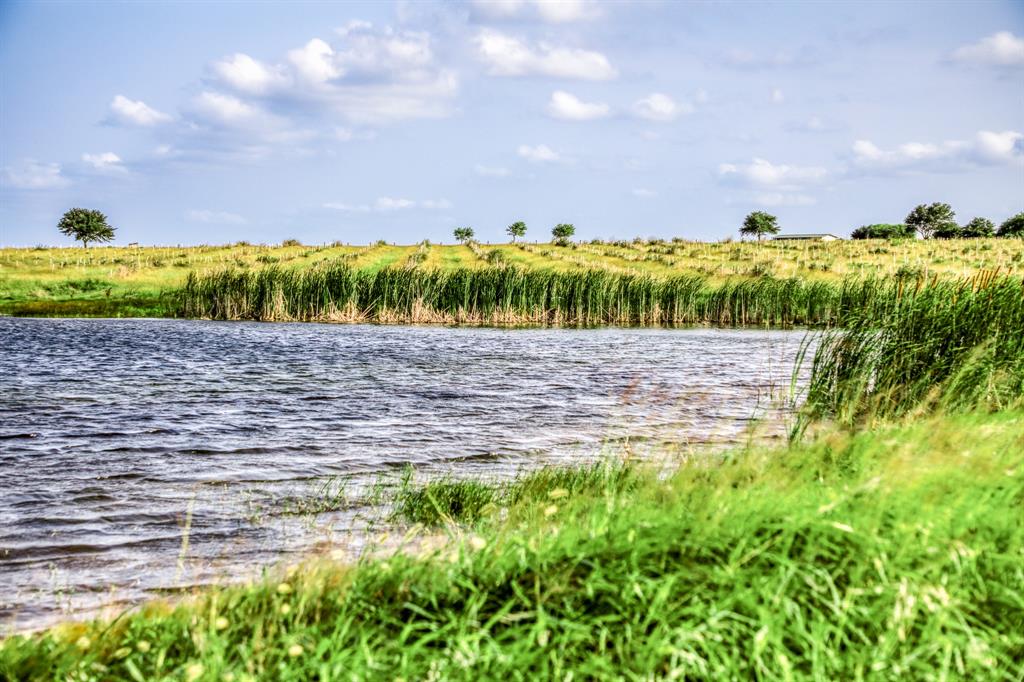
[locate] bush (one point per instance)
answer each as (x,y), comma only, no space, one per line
(882,231)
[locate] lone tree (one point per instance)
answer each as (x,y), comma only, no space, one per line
(759,223)
(978,227)
(933,221)
(516,229)
(86,225)
(1012,227)
(463,234)
(562,232)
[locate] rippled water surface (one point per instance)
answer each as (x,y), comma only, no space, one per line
(145,454)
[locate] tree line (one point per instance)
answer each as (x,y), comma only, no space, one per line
(560,233)
(928,221)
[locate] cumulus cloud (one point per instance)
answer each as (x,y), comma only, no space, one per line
(762,173)
(569,107)
(986,148)
(550,11)
(644,193)
(538,154)
(228,110)
(660,107)
(365,74)
(245,74)
(135,112)
(999,49)
(214,217)
(509,56)
(32,174)
(105,162)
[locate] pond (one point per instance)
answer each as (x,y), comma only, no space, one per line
(140,455)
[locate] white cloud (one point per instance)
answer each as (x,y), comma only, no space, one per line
(508,56)
(214,217)
(660,107)
(314,62)
(644,193)
(31,174)
(245,74)
(393,204)
(365,74)
(492,171)
(987,148)
(781,199)
(568,107)
(778,97)
(106,161)
(228,110)
(388,204)
(551,11)
(763,173)
(538,154)
(999,49)
(135,112)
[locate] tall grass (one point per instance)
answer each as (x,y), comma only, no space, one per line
(943,345)
(510,294)
(890,555)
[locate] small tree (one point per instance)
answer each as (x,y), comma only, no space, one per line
(463,234)
(86,225)
(759,223)
(562,232)
(978,227)
(930,221)
(516,229)
(1012,227)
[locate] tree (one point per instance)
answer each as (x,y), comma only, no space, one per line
(978,227)
(86,225)
(759,223)
(463,234)
(1012,227)
(882,231)
(933,219)
(948,231)
(562,232)
(516,229)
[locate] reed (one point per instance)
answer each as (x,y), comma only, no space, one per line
(511,294)
(937,345)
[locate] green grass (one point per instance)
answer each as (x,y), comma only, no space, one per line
(30,276)
(945,346)
(888,555)
(499,294)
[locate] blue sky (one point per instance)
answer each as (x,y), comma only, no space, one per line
(205,123)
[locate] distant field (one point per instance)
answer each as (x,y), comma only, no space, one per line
(132,280)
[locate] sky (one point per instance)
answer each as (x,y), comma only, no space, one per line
(192,123)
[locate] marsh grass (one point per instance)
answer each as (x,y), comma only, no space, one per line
(888,555)
(935,346)
(513,294)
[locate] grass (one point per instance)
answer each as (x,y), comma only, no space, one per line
(944,346)
(504,294)
(895,554)
(43,280)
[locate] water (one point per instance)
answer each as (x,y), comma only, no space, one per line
(137,455)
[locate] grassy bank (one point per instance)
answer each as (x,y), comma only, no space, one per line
(112,281)
(892,555)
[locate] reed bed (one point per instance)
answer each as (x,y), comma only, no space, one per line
(947,346)
(507,294)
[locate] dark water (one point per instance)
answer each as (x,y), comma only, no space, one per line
(143,454)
